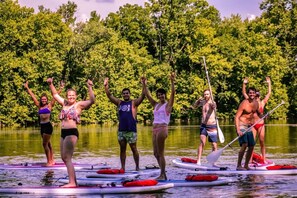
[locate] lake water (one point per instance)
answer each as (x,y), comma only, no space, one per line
(99,144)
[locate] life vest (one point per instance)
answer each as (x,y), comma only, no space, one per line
(148,182)
(281,167)
(189,160)
(202,178)
(110,171)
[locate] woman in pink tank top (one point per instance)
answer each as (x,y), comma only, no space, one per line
(162,111)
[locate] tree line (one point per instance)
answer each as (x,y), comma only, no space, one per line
(154,40)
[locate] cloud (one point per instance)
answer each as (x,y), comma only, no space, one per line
(251,17)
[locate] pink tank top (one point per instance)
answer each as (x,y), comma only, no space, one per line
(160,115)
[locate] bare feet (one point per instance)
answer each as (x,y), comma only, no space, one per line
(162,177)
(68,186)
(240,168)
(49,164)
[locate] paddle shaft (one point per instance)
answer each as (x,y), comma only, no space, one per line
(211,96)
(250,128)
(208,81)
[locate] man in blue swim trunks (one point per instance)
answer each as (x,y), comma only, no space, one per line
(208,126)
(244,118)
(127,132)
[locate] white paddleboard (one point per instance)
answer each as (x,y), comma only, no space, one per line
(41,166)
(54,190)
(177,183)
(248,172)
(194,166)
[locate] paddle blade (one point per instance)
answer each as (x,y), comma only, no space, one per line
(220,134)
(214,156)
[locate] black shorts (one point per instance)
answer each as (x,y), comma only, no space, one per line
(46,128)
(67,132)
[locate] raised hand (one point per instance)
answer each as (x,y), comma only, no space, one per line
(106,81)
(50,80)
(89,83)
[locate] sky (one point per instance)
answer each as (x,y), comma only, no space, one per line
(246,8)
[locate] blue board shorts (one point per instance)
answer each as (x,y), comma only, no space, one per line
(129,136)
(247,137)
(212,136)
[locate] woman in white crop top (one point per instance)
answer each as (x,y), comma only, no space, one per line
(162,111)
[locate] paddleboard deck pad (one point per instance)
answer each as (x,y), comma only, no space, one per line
(127,174)
(88,190)
(184,183)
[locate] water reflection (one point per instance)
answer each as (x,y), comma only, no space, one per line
(99,144)
(48,178)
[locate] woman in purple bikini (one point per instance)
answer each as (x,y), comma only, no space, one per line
(46,128)
(70,117)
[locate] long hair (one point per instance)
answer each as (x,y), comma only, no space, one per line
(40,102)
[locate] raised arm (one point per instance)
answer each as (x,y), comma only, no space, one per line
(265,100)
(139,100)
(87,103)
(147,92)
(36,102)
(113,99)
(245,81)
(62,84)
(55,94)
(171,99)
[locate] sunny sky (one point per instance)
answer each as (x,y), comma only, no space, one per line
(246,8)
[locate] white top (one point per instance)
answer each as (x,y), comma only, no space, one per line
(161,116)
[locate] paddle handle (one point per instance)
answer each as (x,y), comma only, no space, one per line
(251,127)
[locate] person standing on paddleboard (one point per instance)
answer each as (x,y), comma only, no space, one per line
(208,126)
(70,117)
(244,119)
(162,111)
(127,131)
(46,128)
(259,128)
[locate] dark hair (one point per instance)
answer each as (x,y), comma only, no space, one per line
(252,89)
(126,89)
(258,93)
(161,91)
(40,102)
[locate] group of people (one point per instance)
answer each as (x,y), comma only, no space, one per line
(248,112)
(127,131)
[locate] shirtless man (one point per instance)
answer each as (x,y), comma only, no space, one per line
(244,118)
(208,123)
(127,132)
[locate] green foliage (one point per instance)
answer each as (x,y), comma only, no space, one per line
(152,41)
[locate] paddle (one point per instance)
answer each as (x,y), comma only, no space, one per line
(214,156)
(220,133)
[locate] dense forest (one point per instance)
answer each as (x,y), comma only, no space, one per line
(152,41)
